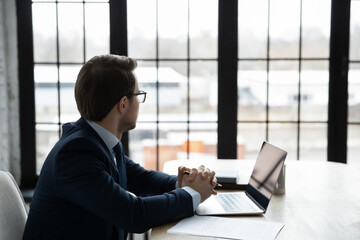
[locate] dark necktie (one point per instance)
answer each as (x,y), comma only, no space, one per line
(122,178)
(120,164)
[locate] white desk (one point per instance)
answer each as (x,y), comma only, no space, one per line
(322,200)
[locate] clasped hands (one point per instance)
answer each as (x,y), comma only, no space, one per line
(202,180)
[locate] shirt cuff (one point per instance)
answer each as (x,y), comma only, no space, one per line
(196,198)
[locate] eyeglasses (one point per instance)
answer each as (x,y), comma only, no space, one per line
(141,96)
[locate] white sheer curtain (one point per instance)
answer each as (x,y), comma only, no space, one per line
(9,97)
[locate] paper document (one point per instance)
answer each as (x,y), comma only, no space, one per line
(232,228)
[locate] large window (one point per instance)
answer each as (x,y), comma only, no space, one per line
(177,54)
(282,86)
(66,34)
(283,76)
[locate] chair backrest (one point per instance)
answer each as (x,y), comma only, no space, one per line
(13,210)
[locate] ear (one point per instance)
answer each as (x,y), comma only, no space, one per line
(123,105)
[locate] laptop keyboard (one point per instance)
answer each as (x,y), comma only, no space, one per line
(234,202)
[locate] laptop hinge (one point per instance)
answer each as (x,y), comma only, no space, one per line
(256,202)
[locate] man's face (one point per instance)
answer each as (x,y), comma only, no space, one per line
(131,116)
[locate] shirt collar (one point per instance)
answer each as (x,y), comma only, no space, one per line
(109,139)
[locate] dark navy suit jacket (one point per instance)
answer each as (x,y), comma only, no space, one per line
(78,195)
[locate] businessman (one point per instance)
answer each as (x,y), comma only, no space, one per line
(88,188)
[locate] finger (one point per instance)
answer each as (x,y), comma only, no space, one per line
(214,181)
(206,173)
(193,174)
(212,176)
(201,168)
(181,170)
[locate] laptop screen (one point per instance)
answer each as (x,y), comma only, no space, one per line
(265,174)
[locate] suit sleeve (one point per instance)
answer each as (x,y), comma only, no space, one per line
(82,179)
(146,182)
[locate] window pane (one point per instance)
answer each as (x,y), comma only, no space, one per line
(46,100)
(355,31)
(284,28)
(69,111)
(142,144)
(172,91)
(250,138)
(71,32)
(45,73)
(313,142)
(44,31)
(68,75)
(253,25)
(46,94)
(314,90)
(142,28)
(284,135)
(46,137)
(252,91)
(204,29)
(353,144)
(202,141)
(146,75)
(97,29)
(173,30)
(172,142)
(354,93)
(203,91)
(283,90)
(316,28)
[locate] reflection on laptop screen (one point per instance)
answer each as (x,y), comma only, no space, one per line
(267,169)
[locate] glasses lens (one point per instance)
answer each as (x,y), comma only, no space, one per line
(141,97)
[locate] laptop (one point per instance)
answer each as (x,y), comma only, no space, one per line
(256,198)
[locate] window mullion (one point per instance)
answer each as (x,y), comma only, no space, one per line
(227,79)
(27,94)
(118,41)
(338,80)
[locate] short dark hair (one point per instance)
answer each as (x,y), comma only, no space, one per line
(101,83)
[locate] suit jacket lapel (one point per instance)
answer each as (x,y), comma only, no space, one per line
(82,123)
